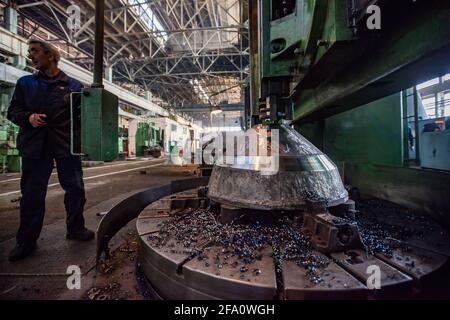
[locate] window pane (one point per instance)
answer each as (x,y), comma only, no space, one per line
(428,83)
(447,104)
(429,105)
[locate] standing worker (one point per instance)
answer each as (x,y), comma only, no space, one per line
(40,106)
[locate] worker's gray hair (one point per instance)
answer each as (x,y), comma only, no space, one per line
(48,47)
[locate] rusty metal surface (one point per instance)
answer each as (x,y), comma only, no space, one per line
(162,204)
(130,208)
(201,274)
(336,284)
(189,202)
(332,234)
(168,286)
(416,262)
(123,213)
(162,267)
(304,175)
(393,222)
(214,269)
(168,258)
(356,262)
(148,225)
(431,238)
(154,213)
(186,265)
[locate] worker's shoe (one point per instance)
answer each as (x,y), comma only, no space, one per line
(21,251)
(81,235)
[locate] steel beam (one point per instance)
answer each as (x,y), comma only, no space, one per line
(231,72)
(28,5)
(124,27)
(414,48)
(151,34)
(202,108)
(98,50)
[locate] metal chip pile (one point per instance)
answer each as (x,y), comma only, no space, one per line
(196,228)
(378,234)
(191,227)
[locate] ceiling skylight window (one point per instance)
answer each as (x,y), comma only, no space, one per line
(149,18)
(199,91)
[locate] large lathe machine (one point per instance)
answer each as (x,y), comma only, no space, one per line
(296,233)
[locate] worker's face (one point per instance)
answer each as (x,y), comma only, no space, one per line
(41,60)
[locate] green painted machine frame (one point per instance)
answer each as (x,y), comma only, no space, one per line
(10,160)
(99,125)
(142,138)
(292,44)
(9,155)
(322,60)
(340,83)
(147,135)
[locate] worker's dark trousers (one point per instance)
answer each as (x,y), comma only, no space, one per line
(34,182)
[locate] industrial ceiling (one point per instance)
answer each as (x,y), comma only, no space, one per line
(184,53)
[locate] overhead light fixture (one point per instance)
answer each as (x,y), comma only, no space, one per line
(216,110)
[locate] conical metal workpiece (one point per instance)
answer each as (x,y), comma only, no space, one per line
(298,173)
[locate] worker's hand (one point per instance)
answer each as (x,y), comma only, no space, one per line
(37,119)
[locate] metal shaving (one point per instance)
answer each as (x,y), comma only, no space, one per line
(194,227)
(378,234)
(198,229)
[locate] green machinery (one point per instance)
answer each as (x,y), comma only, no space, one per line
(314,58)
(99,129)
(99,125)
(120,145)
(9,155)
(336,69)
(99,108)
(147,136)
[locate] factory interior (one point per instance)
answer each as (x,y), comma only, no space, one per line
(237,150)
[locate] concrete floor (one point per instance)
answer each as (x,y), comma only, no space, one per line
(43,275)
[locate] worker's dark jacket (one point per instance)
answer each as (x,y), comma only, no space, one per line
(51,96)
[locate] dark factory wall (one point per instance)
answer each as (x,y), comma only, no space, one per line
(371,134)
(366,144)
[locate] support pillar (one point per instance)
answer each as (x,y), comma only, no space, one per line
(416,125)
(10,19)
(99,43)
(109,73)
(148,95)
